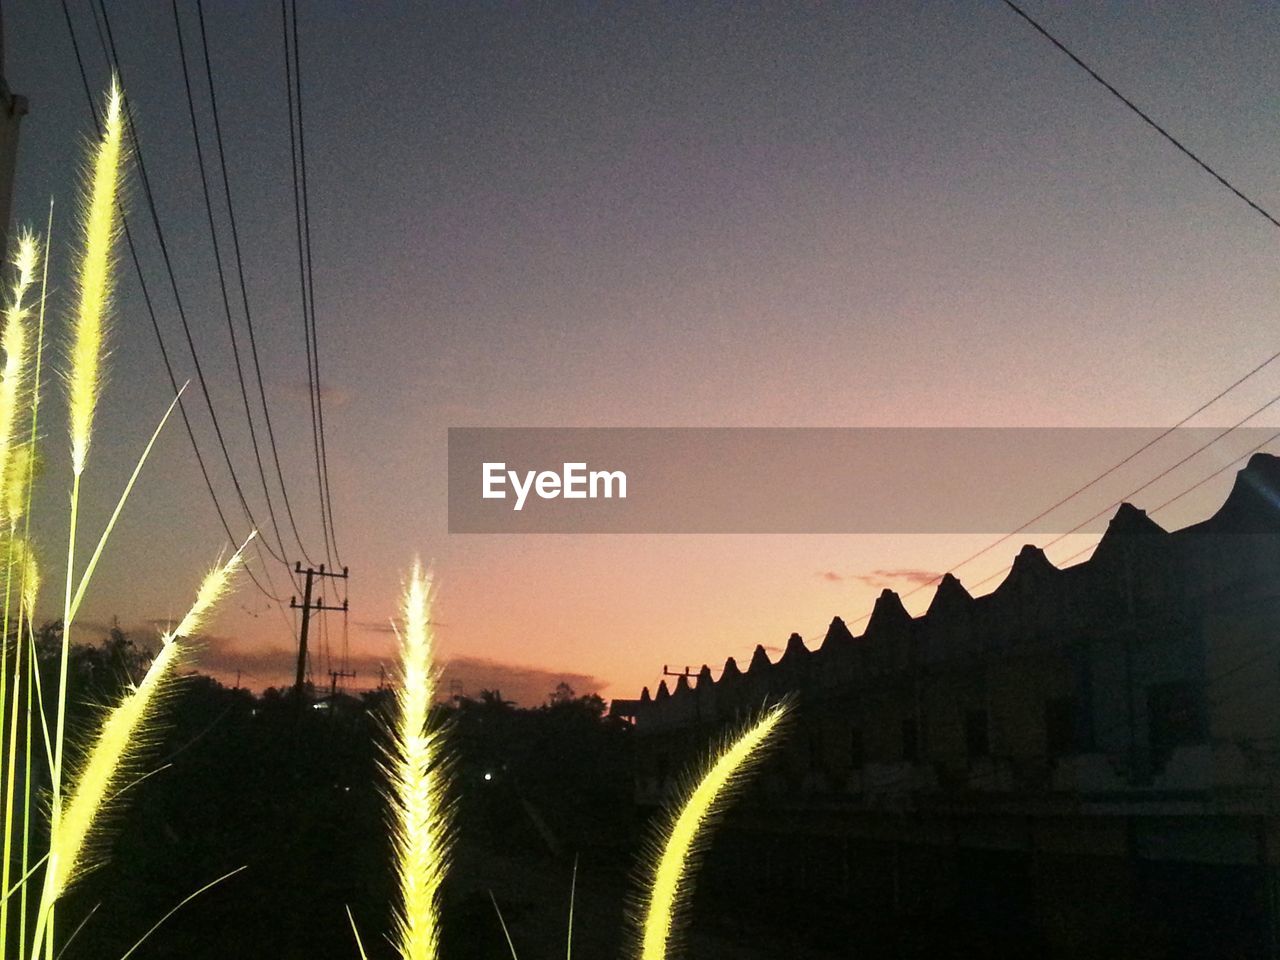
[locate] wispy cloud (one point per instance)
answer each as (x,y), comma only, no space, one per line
(334,396)
(882,578)
(526,685)
(259,667)
(887,578)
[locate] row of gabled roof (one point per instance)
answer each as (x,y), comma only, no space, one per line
(1131,538)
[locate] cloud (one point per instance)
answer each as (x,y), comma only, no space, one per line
(386,627)
(830,576)
(526,685)
(260,668)
(335,397)
(912,577)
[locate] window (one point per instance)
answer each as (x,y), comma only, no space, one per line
(1175,717)
(815,752)
(1062,728)
(857,758)
(910,740)
(976,742)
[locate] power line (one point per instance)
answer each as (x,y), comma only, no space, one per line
(1183,148)
(1110,470)
(301,171)
(222,277)
(164,353)
(1257,208)
(113,57)
(1159,476)
(1195,486)
(244,295)
(302,272)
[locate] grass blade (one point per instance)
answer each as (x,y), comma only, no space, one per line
(573,894)
(670,877)
(115,514)
(178,906)
(417,773)
(355,930)
(503,923)
(75,825)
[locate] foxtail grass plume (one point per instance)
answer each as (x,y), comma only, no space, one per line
(417,770)
(15,340)
(669,879)
(17,475)
(116,743)
(95,280)
(30,580)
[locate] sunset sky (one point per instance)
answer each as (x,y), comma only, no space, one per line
(652,215)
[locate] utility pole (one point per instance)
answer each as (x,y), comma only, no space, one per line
(307,606)
(12,109)
(688,675)
(335,676)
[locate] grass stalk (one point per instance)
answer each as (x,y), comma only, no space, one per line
(30,588)
(669,879)
(355,931)
(14,339)
(92,565)
(417,772)
(178,906)
(24,614)
(84,381)
(115,745)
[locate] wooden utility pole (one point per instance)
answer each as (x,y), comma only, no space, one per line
(335,676)
(12,109)
(307,606)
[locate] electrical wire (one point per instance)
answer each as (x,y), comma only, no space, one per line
(155,325)
(222,277)
(1183,148)
(113,57)
(244,294)
(327,505)
(1204,165)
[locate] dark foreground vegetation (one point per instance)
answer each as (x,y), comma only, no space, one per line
(291,793)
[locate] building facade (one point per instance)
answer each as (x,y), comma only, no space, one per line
(1109,729)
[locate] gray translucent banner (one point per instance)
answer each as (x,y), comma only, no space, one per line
(819,480)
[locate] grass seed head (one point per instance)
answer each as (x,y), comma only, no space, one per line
(417,769)
(15,341)
(114,751)
(668,878)
(95,278)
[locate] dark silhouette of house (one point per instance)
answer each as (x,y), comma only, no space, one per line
(1085,723)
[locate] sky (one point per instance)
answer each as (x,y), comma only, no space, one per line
(899,214)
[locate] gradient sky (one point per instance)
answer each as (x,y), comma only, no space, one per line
(656,215)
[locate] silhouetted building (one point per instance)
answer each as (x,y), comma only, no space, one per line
(1084,721)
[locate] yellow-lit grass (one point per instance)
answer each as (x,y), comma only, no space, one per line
(84,376)
(101,225)
(15,341)
(30,588)
(417,772)
(668,880)
(116,744)
(84,380)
